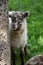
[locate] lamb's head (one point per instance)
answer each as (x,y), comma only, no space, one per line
(18,19)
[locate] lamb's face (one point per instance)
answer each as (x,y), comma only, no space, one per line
(18,19)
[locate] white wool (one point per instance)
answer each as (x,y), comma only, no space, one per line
(10,23)
(10,12)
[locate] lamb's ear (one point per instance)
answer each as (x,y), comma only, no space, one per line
(11,13)
(27,13)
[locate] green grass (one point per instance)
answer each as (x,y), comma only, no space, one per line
(34,25)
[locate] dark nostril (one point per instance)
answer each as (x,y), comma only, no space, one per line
(0,4)
(0,59)
(0,14)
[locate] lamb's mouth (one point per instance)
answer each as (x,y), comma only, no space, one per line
(18,29)
(14,29)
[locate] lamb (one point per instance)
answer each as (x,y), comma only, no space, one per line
(18,31)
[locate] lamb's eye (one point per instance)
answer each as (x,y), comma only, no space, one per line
(14,17)
(20,18)
(19,22)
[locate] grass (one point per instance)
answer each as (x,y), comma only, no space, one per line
(34,25)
